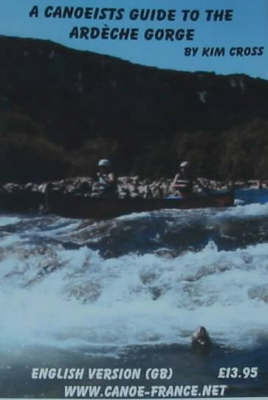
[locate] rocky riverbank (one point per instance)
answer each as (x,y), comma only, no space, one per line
(33,196)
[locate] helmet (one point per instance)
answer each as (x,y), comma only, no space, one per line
(104,163)
(184,164)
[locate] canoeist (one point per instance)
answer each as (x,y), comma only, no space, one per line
(106,179)
(201,339)
(183,180)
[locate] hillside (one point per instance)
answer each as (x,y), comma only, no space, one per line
(62,109)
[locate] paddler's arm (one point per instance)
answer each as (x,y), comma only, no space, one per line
(198,182)
(108,178)
(174,182)
(111,178)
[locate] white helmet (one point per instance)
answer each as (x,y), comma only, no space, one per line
(104,163)
(184,164)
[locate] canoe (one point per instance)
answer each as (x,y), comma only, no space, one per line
(21,201)
(85,207)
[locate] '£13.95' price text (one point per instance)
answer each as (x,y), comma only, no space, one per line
(238,373)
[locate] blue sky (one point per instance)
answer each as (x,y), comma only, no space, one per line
(248,29)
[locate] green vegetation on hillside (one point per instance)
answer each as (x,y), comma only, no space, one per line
(27,154)
(62,109)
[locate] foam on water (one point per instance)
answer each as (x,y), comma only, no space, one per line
(249,210)
(4,220)
(133,216)
(71,298)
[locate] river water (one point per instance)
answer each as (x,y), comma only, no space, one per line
(130,292)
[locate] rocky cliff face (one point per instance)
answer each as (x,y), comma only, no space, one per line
(78,96)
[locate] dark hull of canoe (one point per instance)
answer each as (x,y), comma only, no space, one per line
(82,207)
(21,201)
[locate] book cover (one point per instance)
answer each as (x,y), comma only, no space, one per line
(133,197)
